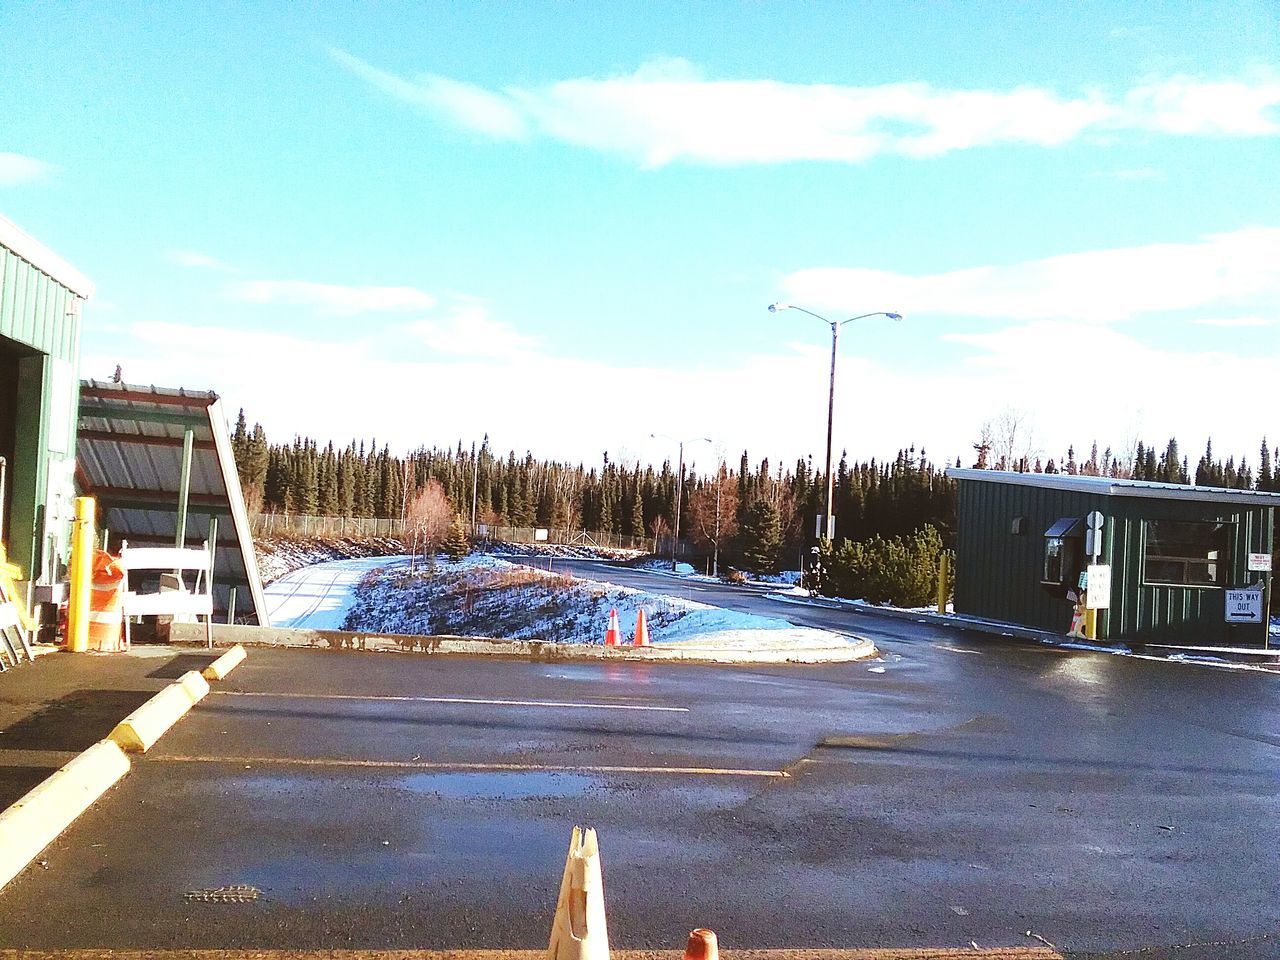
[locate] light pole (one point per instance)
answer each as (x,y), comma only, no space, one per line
(675,537)
(831,393)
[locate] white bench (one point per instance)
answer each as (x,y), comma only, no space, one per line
(196,601)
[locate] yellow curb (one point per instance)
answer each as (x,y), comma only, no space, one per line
(38,818)
(219,669)
(137,732)
(196,686)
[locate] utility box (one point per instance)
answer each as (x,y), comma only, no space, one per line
(1168,554)
(40,313)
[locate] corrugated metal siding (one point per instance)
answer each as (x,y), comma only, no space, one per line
(998,572)
(1155,612)
(35,309)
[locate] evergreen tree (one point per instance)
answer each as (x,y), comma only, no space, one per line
(456,545)
(761,537)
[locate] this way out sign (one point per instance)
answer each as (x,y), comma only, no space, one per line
(1244,606)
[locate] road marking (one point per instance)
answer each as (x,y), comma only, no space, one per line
(557,704)
(463,767)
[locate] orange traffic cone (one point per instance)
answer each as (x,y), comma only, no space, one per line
(613,636)
(702,946)
(642,629)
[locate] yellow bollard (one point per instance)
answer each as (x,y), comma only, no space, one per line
(82,547)
(943,564)
(1091,623)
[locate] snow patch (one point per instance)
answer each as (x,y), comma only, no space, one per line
(483,595)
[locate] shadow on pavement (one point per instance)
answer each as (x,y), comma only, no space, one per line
(183,663)
(74,722)
(15,782)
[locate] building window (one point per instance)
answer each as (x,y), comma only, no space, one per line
(1191,554)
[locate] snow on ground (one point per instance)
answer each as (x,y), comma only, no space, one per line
(486,596)
(318,597)
(280,555)
(687,571)
(569,551)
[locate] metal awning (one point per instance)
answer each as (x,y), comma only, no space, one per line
(129,450)
(1067,527)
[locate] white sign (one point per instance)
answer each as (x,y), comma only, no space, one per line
(1094,520)
(1098,596)
(1260,563)
(1244,606)
(540,534)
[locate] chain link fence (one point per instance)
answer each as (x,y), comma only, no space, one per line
(303,525)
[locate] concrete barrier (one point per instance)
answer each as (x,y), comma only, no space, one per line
(857,649)
(196,686)
(219,669)
(38,818)
(137,732)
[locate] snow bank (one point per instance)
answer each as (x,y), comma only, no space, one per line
(487,596)
(278,556)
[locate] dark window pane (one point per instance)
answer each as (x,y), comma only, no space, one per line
(1186,553)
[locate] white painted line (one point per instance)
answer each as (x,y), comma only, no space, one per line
(555,704)
(445,766)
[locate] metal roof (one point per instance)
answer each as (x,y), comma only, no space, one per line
(129,457)
(43,259)
(1119,487)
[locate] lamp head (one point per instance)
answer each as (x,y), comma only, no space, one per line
(894,316)
(775,307)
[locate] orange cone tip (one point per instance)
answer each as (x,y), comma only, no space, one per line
(702,946)
(642,629)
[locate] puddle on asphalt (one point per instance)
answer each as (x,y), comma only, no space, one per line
(501,785)
(617,672)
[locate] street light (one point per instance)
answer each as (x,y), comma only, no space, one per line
(831,394)
(675,537)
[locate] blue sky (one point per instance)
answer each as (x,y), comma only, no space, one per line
(562,225)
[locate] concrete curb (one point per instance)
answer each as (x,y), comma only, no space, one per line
(139,731)
(536,650)
(38,818)
(960,621)
(194,685)
(219,669)
(955,620)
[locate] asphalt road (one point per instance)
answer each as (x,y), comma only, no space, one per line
(972,790)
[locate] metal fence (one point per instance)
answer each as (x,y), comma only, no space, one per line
(302,525)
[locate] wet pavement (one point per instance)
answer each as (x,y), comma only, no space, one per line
(974,790)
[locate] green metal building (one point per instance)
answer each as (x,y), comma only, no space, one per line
(1185,561)
(40,308)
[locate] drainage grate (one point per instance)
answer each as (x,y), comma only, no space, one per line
(236,893)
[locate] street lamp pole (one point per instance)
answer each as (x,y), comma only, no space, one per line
(835,326)
(675,537)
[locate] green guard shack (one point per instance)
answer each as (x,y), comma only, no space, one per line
(1186,565)
(40,308)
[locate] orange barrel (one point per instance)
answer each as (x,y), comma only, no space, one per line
(106,598)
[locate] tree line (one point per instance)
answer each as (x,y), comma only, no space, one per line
(753,513)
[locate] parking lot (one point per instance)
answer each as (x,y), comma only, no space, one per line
(397,801)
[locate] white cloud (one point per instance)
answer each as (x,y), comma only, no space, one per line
(667,111)
(465,104)
(469,331)
(1099,286)
(331,297)
(527,396)
(200,261)
(1235,322)
(17,168)
(1191,106)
